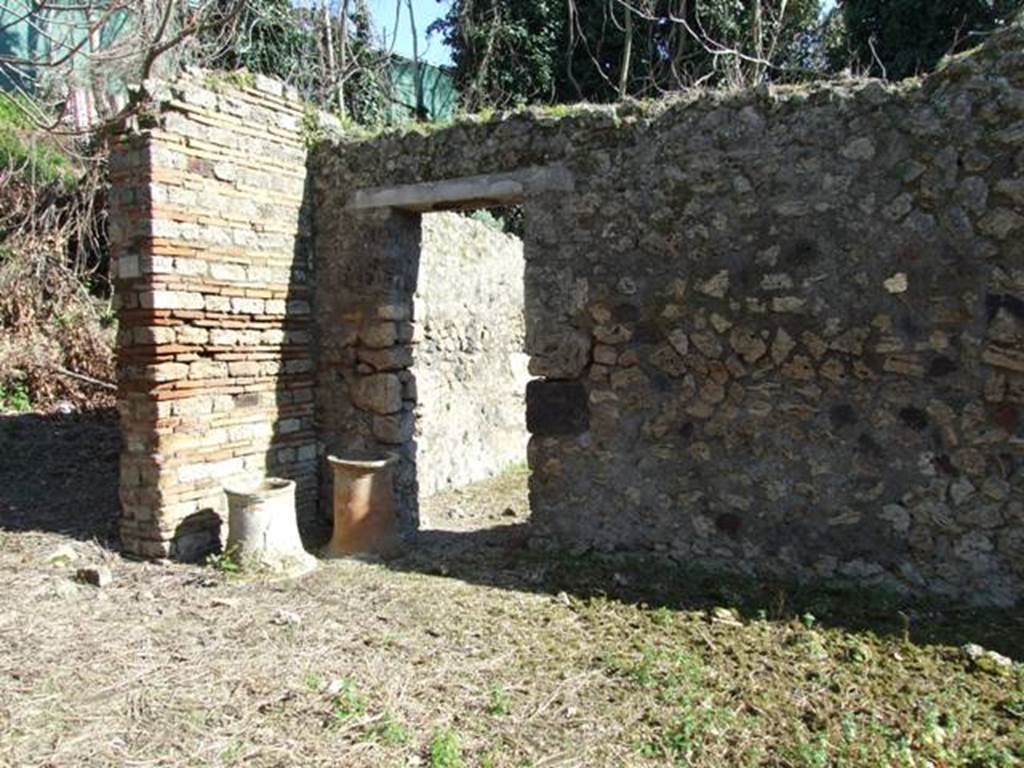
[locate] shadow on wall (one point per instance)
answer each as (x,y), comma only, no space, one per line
(366,391)
(421,333)
(504,557)
(58,473)
(272,402)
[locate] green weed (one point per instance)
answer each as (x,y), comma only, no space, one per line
(231,753)
(662,617)
(348,702)
(516,469)
(22,150)
(499,703)
(980,754)
(390,732)
(312,130)
(314,682)
(444,750)
(810,754)
(226,562)
(15,398)
(677,680)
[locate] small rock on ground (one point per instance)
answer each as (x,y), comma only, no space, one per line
(98,576)
(987,661)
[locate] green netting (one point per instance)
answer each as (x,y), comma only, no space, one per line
(438,98)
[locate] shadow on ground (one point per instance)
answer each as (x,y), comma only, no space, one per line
(499,557)
(58,474)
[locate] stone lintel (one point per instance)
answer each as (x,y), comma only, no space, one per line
(486,191)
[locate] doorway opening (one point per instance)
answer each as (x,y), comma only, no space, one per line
(470,370)
(433,306)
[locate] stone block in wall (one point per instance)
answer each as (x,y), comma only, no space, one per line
(395,428)
(379,393)
(556,408)
(390,359)
(559,353)
(379,335)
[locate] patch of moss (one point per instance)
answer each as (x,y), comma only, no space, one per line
(566,110)
(312,131)
(240,79)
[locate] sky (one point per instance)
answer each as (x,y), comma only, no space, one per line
(426,12)
(432,49)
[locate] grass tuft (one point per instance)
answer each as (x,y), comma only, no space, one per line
(444,750)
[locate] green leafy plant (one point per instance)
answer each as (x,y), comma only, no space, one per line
(444,750)
(676,678)
(1014,706)
(898,40)
(390,732)
(812,754)
(499,703)
(982,755)
(508,53)
(241,79)
(662,617)
(15,398)
(488,219)
(226,562)
(22,150)
(314,682)
(347,702)
(284,41)
(312,131)
(231,753)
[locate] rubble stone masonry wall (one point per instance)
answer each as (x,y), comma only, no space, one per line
(209,231)
(779,331)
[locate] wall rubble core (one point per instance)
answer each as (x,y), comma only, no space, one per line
(780,331)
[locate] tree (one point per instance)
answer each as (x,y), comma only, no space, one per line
(73,60)
(270,37)
(506,53)
(509,52)
(328,52)
(902,38)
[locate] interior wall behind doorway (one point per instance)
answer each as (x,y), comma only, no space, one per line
(469,365)
(420,353)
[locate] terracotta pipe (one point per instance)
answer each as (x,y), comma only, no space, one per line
(262,530)
(364,505)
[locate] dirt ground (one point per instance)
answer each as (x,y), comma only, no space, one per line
(468,650)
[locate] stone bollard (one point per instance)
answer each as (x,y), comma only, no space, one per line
(263,533)
(364,505)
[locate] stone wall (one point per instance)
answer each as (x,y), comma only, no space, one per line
(780,330)
(209,230)
(469,365)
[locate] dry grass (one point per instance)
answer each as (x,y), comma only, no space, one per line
(54,314)
(469,650)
